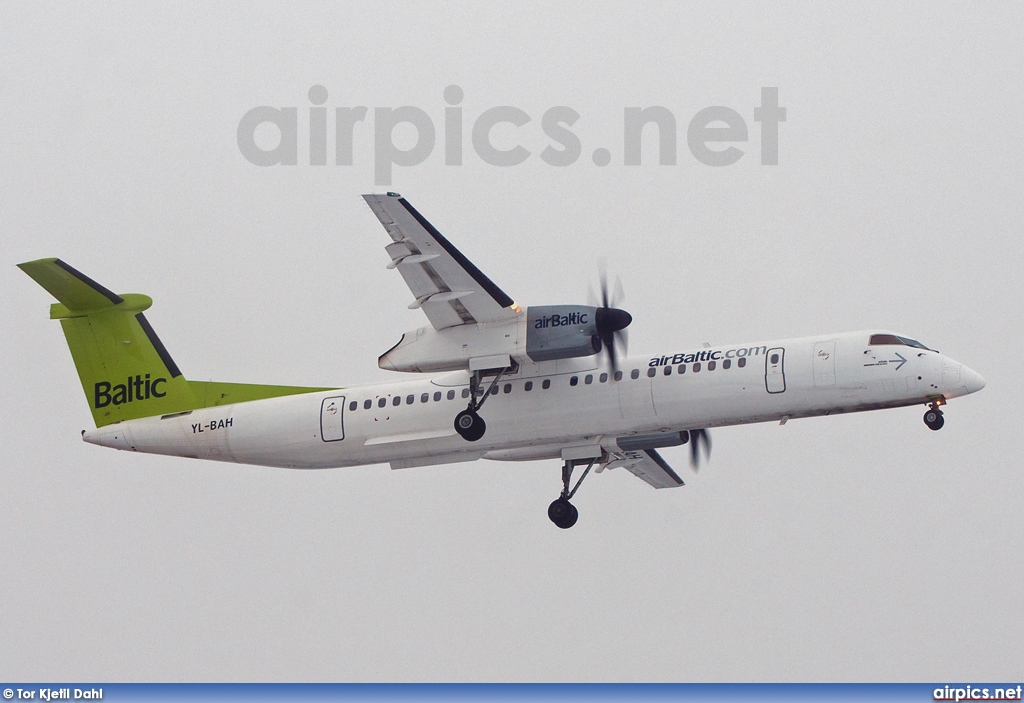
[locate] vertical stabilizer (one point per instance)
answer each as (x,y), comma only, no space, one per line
(125,369)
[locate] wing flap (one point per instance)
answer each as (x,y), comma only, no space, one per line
(445,284)
(649,466)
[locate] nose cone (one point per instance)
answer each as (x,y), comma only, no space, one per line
(610,320)
(958,380)
(971,380)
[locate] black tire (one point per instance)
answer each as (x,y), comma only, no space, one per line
(470,426)
(934,419)
(563,513)
(573,517)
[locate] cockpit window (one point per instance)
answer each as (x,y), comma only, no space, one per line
(879,339)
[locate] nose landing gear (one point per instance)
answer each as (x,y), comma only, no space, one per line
(933,417)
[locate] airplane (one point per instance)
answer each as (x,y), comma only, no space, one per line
(552,381)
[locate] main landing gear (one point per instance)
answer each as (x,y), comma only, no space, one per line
(468,423)
(561,511)
(933,417)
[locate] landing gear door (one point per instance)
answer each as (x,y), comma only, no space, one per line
(774,370)
(332,423)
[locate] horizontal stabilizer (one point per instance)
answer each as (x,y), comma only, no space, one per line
(77,292)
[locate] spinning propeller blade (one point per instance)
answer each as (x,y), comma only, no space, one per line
(612,322)
(698,438)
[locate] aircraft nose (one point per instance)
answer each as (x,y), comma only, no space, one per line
(972,380)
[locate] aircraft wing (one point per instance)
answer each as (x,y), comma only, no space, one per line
(647,465)
(445,284)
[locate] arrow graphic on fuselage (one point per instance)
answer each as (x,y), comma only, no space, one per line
(885,362)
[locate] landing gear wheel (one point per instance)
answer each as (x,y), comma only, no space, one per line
(933,418)
(469,425)
(563,513)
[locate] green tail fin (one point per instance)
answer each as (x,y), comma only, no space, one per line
(125,369)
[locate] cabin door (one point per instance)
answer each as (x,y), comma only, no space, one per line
(774,370)
(332,422)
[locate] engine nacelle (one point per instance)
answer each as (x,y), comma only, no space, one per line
(481,346)
(657,440)
(544,333)
(561,332)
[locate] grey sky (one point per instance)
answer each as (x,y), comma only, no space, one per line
(852,548)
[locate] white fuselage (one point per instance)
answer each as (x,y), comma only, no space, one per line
(410,423)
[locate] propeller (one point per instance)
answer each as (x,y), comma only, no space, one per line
(611,322)
(697,438)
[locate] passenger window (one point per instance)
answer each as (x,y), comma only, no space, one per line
(727,363)
(712,364)
(353,405)
(696,367)
(741,362)
(651,371)
(437,396)
(451,395)
(681,369)
(465,392)
(528,386)
(775,358)
(508,388)
(634,374)
(603,378)
(424,398)
(546,384)
(668,371)
(618,375)
(367,403)
(574,380)
(410,399)
(493,390)
(382,402)
(589,379)
(397,400)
